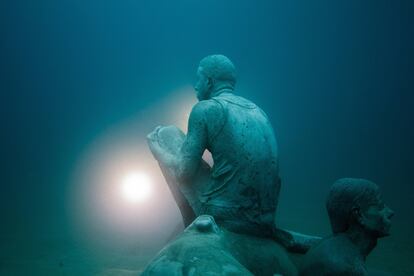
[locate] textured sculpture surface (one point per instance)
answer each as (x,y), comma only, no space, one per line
(358,219)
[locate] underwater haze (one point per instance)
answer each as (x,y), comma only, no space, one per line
(83,82)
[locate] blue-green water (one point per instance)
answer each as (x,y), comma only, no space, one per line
(83,82)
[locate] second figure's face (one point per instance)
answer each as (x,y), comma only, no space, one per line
(377,218)
(203,85)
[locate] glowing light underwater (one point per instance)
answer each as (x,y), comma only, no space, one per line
(119,193)
(136,187)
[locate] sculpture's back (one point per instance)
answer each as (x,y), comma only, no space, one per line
(244,184)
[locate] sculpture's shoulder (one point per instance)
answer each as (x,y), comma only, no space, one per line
(210,106)
(242,103)
(236,100)
(334,255)
(211,112)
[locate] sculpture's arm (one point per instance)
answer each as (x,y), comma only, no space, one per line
(194,144)
(184,163)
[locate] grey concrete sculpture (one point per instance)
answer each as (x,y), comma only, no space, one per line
(241,189)
(358,219)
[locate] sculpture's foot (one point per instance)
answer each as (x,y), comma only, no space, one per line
(295,242)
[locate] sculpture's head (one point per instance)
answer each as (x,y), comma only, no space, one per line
(358,201)
(215,73)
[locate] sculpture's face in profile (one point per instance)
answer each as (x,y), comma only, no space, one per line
(203,85)
(376,217)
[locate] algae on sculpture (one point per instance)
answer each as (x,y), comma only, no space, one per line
(358,219)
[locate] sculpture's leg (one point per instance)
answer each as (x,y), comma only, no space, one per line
(187,212)
(186,195)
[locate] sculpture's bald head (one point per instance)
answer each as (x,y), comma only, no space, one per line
(215,72)
(220,68)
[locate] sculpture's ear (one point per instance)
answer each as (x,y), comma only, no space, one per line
(357,216)
(210,83)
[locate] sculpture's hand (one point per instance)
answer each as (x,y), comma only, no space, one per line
(154,142)
(153,136)
(160,149)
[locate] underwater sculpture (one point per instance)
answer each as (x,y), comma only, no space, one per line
(241,189)
(358,219)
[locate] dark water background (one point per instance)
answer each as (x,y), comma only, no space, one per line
(335,77)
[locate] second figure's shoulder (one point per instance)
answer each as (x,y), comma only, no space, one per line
(334,255)
(335,246)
